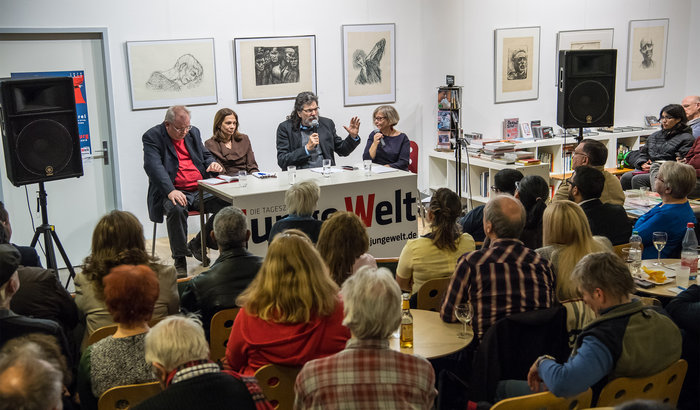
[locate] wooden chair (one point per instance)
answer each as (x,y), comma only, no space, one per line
(189,213)
(664,386)
(277,383)
(649,301)
(219,332)
(101,333)
(389,263)
(126,397)
(546,400)
(431,293)
(413,158)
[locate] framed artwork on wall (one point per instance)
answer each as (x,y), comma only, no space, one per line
(171,72)
(369,64)
(646,53)
(582,40)
(274,68)
(517,64)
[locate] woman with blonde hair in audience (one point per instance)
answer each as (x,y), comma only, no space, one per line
(291,313)
(435,254)
(567,238)
(130,293)
(343,243)
(118,240)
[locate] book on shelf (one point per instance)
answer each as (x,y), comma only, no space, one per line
(529,161)
(546,158)
(504,160)
(516,155)
(443,139)
(484,184)
(465,180)
(510,128)
(525,130)
(535,123)
(651,121)
(444,120)
(444,99)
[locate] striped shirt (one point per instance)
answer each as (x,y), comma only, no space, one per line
(505,279)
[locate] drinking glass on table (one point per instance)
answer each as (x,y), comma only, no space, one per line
(326,167)
(242,179)
(659,239)
(292,174)
(464,313)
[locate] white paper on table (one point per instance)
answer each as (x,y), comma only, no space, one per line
(381,169)
(320,170)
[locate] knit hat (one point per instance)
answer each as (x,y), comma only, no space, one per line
(9,260)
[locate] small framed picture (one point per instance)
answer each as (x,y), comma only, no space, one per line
(517,64)
(646,53)
(582,40)
(369,64)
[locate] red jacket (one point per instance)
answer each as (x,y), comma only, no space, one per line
(255,342)
(693,156)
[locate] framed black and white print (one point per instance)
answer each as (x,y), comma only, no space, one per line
(582,40)
(171,72)
(646,53)
(517,64)
(273,68)
(369,64)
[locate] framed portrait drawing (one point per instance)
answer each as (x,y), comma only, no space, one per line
(582,40)
(517,64)
(369,64)
(646,53)
(274,68)
(171,72)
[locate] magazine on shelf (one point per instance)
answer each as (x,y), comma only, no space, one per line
(525,130)
(510,128)
(444,139)
(444,120)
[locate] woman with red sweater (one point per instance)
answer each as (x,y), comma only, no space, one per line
(291,313)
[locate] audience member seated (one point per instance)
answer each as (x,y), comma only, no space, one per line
(691,105)
(368,374)
(130,292)
(118,240)
(14,325)
(386,145)
(617,344)
(567,239)
(343,243)
(234,269)
(300,199)
(29,255)
(685,311)
(606,219)
(504,183)
(29,382)
(673,183)
(533,193)
(45,347)
(672,141)
(189,379)
(435,254)
(594,154)
(291,313)
(231,148)
(525,280)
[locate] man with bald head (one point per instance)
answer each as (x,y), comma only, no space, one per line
(691,105)
(503,279)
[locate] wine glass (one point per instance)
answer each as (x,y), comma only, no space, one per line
(464,313)
(659,240)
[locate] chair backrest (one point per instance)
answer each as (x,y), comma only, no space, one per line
(101,333)
(277,383)
(389,263)
(546,400)
(664,386)
(219,332)
(126,397)
(413,158)
(431,293)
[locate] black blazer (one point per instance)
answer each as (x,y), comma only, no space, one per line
(161,164)
(608,220)
(290,151)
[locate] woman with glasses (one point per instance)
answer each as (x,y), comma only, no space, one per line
(231,148)
(386,145)
(671,142)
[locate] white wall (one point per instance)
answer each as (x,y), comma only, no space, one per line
(434,38)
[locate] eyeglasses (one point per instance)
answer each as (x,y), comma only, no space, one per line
(379,118)
(181,130)
(494,189)
(570,182)
(666,117)
(310,110)
(517,185)
(580,153)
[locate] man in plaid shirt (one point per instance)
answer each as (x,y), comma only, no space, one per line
(504,279)
(368,374)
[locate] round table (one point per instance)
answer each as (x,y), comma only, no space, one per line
(432,337)
(671,266)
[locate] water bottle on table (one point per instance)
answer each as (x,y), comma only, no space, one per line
(635,252)
(689,255)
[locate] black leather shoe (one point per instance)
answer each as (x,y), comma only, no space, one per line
(181,267)
(195,247)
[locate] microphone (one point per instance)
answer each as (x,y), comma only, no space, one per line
(381,141)
(314,125)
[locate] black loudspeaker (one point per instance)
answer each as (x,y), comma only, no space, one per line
(586,88)
(40,133)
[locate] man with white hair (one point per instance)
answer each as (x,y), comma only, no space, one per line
(28,382)
(179,353)
(691,105)
(368,374)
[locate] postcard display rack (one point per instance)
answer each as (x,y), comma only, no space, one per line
(449,130)
(442,166)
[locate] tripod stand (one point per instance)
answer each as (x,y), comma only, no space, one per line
(50,236)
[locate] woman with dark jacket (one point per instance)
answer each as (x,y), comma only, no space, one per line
(671,142)
(533,193)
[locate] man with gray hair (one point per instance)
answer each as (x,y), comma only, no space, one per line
(368,374)
(503,279)
(28,382)
(234,269)
(179,353)
(691,105)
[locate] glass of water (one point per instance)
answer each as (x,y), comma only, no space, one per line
(326,168)
(367,164)
(292,174)
(242,179)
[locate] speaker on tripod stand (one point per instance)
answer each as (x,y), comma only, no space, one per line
(41,142)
